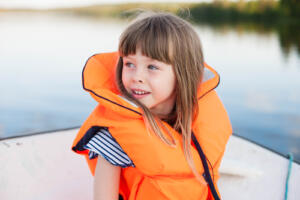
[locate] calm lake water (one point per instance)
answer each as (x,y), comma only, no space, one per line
(42,55)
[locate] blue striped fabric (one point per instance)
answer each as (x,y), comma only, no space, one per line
(102,143)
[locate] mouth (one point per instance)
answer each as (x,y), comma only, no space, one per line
(138,93)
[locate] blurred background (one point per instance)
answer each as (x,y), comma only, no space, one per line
(254,46)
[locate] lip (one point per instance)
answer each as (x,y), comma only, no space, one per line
(139,96)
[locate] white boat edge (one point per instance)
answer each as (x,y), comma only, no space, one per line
(43,167)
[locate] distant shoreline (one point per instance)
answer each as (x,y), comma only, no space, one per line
(269,12)
(112,10)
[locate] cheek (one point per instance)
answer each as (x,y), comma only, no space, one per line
(165,84)
(173,81)
(170,82)
(124,78)
(171,87)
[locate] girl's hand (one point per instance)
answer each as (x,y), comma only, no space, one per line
(106,180)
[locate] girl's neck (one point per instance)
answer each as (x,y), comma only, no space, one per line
(170,118)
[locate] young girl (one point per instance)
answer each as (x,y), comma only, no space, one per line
(160,130)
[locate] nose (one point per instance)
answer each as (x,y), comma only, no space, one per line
(139,75)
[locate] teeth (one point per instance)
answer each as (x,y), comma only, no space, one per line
(139,92)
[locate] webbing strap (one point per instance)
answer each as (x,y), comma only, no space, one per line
(206,170)
(290,156)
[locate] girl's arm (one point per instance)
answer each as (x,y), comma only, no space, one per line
(106,180)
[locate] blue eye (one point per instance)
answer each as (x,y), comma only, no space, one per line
(128,64)
(152,67)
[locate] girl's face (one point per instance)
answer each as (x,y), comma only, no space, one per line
(150,81)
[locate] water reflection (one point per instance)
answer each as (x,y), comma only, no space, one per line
(288,34)
(42,55)
(289,37)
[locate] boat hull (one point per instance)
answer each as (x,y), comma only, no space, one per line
(43,167)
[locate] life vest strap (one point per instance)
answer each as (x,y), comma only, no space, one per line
(206,170)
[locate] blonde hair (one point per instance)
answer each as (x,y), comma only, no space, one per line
(169,39)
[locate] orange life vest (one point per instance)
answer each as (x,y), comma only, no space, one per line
(160,172)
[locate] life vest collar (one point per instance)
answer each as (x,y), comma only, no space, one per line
(98,78)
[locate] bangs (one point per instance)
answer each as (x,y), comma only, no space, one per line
(151,36)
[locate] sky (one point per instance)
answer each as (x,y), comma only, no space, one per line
(44,4)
